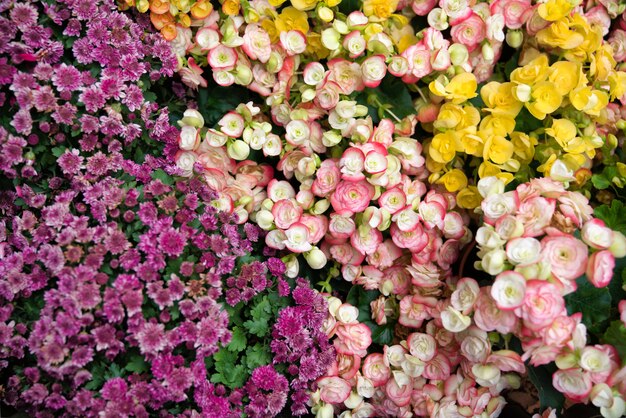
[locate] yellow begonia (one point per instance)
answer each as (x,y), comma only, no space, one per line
(524,146)
(468,198)
(545,99)
(532,73)
(554,9)
(547,165)
(602,63)
(565,75)
(488,169)
(497,149)
(461,88)
(292,19)
(589,100)
(454,180)
(497,125)
(457,117)
(617,84)
(444,147)
(381,9)
(564,132)
(304,5)
(315,47)
(473,143)
(559,35)
(499,99)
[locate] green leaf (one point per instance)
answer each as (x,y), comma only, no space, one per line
(348,6)
(58,151)
(257,326)
(600,182)
(526,122)
(238,340)
(616,336)
(593,303)
(136,364)
(256,356)
(163,176)
(361,298)
(392,92)
(382,334)
(614,216)
(542,379)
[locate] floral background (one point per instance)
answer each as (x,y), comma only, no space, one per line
(295,208)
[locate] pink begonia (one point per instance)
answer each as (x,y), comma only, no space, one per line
(567,256)
(600,268)
(574,383)
(353,339)
(375,369)
(334,389)
(542,304)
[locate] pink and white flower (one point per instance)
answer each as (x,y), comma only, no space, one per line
(508,290)
(600,268)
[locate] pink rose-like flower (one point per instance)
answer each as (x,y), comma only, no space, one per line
(222,58)
(617,40)
(334,390)
(399,394)
(286,212)
(317,224)
(353,339)
(256,43)
(559,331)
(348,365)
(512,10)
(352,196)
(567,256)
(414,309)
(373,70)
(536,214)
(422,346)
(423,7)
(326,178)
(438,368)
(375,369)
(542,304)
(508,290)
(600,268)
(470,32)
(415,240)
(573,383)
(595,234)
(489,317)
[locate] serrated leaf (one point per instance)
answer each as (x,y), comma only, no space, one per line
(616,336)
(614,216)
(592,302)
(238,340)
(58,151)
(136,364)
(600,182)
(542,379)
(257,327)
(256,356)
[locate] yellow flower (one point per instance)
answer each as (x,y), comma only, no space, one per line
(231,7)
(589,100)
(617,84)
(554,9)
(497,125)
(452,116)
(314,46)
(533,72)
(433,166)
(454,180)
(488,169)
(381,9)
(332,3)
(547,165)
(292,19)
(524,146)
(564,132)
(444,146)
(545,99)
(304,4)
(559,35)
(499,99)
(473,143)
(276,3)
(498,149)
(565,75)
(270,28)
(461,88)
(469,198)
(602,63)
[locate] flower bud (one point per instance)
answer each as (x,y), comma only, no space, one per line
(487,51)
(238,150)
(292,266)
(601,395)
(618,247)
(522,92)
(275,63)
(353,401)
(264,219)
(330,39)
(243,75)
(315,258)
(192,117)
(325,411)
(325,14)
(514,38)
(458,54)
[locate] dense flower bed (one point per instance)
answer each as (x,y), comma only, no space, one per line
(364,209)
